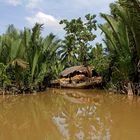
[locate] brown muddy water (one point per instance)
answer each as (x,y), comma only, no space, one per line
(70,115)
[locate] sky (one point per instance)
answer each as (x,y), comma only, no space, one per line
(25,13)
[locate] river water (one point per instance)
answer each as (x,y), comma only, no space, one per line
(61,114)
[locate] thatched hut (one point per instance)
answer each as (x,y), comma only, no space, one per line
(78,70)
(78,77)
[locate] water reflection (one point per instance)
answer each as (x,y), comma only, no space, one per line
(69,115)
(82,121)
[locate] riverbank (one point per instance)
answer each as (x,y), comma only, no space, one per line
(131,89)
(13,90)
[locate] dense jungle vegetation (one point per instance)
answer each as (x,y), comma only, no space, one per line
(29,61)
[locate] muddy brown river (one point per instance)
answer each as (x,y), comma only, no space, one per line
(70,115)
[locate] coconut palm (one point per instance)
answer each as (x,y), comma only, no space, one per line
(68,51)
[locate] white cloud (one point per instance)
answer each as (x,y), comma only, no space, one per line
(33,3)
(93,3)
(48,20)
(14,2)
(99,5)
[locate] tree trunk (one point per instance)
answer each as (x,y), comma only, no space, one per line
(129,89)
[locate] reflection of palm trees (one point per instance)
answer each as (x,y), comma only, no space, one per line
(82,121)
(26,117)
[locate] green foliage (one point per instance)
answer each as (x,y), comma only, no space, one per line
(122,38)
(25,57)
(99,59)
(3,76)
(79,33)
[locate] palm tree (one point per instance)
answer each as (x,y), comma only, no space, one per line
(12,53)
(47,57)
(40,52)
(99,59)
(27,57)
(121,41)
(129,12)
(79,34)
(68,51)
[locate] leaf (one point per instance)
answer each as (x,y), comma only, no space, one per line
(34,64)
